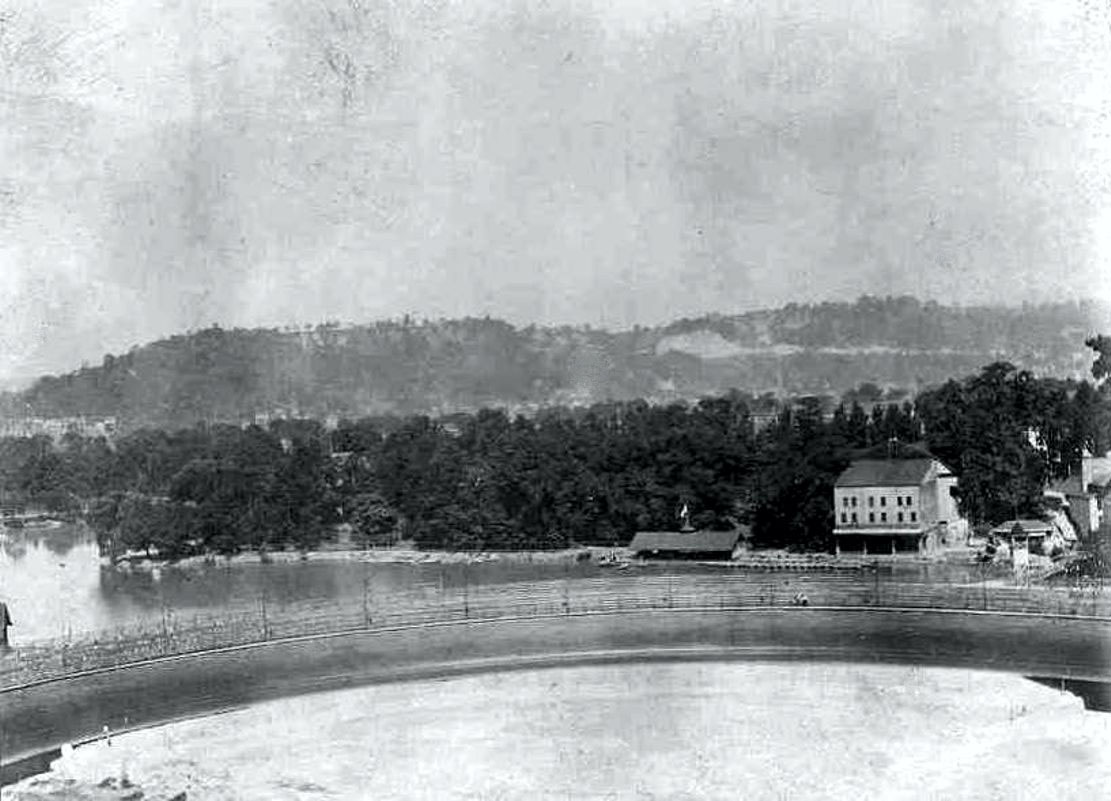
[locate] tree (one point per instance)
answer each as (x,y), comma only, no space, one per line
(982,428)
(1101,367)
(373,521)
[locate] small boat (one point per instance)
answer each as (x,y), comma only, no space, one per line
(611,559)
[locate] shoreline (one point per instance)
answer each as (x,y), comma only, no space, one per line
(772,559)
(403,556)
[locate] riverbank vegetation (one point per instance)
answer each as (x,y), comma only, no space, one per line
(590,476)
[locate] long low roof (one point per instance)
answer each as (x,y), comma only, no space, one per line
(685,541)
(1027,526)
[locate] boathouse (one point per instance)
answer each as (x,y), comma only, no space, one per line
(702,545)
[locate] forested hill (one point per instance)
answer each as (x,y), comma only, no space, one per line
(439,367)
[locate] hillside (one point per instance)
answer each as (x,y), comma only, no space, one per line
(445,366)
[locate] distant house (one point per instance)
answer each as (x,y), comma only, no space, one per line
(1087,493)
(890,506)
(685,544)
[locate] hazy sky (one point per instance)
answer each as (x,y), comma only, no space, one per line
(166,165)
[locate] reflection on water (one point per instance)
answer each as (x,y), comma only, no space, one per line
(55,584)
(706,731)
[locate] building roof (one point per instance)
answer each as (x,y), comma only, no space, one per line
(1005,528)
(685,541)
(885,473)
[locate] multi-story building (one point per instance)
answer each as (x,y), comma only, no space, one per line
(889,506)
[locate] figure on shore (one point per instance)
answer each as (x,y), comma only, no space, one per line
(5,621)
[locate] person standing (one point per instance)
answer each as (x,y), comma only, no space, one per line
(5,621)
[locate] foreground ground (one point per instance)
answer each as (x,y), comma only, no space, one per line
(676,730)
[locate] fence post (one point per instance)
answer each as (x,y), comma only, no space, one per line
(366,598)
(265,623)
(984,585)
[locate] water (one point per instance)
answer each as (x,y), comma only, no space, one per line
(55,585)
(675,731)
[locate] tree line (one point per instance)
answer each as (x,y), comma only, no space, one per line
(592,475)
(432,367)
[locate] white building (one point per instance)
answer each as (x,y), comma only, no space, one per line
(888,506)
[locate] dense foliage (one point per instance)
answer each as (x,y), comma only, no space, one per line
(406,367)
(591,475)
(1007,434)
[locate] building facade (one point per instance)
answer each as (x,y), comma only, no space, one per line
(1087,493)
(891,506)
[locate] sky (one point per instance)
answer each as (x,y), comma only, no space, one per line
(170,164)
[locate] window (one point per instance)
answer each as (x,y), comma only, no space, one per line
(854,517)
(845,501)
(910,501)
(900,517)
(854,500)
(883,500)
(871,517)
(871,501)
(898,500)
(914,517)
(883,517)
(844,517)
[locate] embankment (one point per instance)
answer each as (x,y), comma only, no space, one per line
(39,716)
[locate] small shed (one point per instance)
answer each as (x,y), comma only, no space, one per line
(1030,535)
(685,544)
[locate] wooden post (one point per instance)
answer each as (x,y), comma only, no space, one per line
(366,594)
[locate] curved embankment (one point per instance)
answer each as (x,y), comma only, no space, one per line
(41,716)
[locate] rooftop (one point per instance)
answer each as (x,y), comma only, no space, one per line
(685,541)
(1028,527)
(885,473)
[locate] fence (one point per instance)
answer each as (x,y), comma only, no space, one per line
(175,634)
